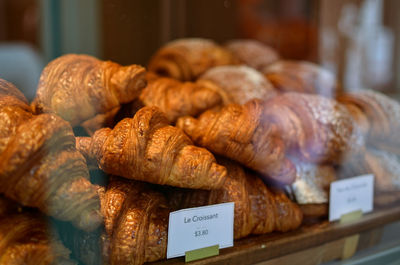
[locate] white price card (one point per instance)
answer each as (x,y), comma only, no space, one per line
(350,195)
(200,227)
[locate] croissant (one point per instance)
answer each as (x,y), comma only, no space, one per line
(314,128)
(146,148)
(301,76)
(78,87)
(237,84)
(39,165)
(136,225)
(25,238)
(177,98)
(378,115)
(257,209)
(132,210)
(239,132)
(136,216)
(252,53)
(186,59)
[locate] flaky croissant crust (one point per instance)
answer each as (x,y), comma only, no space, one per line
(301,76)
(237,84)
(177,99)
(78,87)
(186,59)
(257,209)
(146,148)
(136,220)
(315,128)
(39,165)
(240,133)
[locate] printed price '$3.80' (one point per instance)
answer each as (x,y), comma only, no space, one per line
(201,233)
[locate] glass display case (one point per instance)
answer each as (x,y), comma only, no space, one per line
(114,113)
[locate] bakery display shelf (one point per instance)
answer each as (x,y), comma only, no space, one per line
(313,242)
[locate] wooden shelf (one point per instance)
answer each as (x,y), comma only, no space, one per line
(256,249)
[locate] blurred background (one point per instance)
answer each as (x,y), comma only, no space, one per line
(358,40)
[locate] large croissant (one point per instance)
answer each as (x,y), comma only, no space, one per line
(257,209)
(136,226)
(136,221)
(39,165)
(146,148)
(378,115)
(186,59)
(239,132)
(79,87)
(237,84)
(177,99)
(301,76)
(315,128)
(25,238)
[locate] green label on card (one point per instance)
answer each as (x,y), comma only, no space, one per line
(351,217)
(201,253)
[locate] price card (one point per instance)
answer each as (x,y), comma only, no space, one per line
(350,195)
(200,227)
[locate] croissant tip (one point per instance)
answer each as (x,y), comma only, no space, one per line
(129,81)
(168,68)
(219,174)
(37,107)
(185,123)
(180,122)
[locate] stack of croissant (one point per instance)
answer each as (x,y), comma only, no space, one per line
(205,124)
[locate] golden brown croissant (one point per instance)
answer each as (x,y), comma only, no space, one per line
(301,76)
(146,148)
(257,209)
(239,132)
(136,216)
(314,128)
(39,165)
(186,59)
(136,220)
(237,84)
(177,98)
(78,87)
(136,225)
(378,115)
(25,238)
(252,53)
